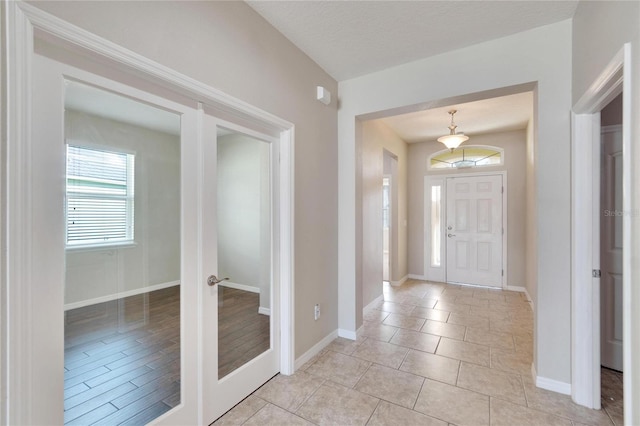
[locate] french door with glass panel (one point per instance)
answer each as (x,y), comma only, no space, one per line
(238,241)
(154,236)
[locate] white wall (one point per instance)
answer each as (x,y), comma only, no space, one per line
(514,145)
(244,233)
(229,46)
(378,137)
(600,29)
(541,55)
(155,257)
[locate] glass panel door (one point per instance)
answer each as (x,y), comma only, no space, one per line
(113,260)
(122,275)
(244,248)
(240,312)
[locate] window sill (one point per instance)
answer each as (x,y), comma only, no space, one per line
(102,247)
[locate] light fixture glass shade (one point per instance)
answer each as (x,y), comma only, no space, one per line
(453,141)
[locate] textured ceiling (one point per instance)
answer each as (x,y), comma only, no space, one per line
(352,38)
(492,115)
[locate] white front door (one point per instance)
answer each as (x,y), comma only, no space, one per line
(129,192)
(474,230)
(611,249)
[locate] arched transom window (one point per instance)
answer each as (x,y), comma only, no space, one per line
(466,157)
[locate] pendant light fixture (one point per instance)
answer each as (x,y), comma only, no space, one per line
(453,139)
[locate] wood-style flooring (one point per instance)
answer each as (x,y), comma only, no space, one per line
(243,333)
(122,358)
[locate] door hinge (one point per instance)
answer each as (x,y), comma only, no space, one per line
(596,273)
(503,189)
(503,272)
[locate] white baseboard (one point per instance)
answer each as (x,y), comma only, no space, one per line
(417,277)
(550,384)
(264,311)
(553,385)
(237,286)
(120,295)
(373,303)
(347,334)
(400,282)
(315,349)
(522,290)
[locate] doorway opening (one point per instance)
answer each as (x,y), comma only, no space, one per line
(390,218)
(611,253)
(386,227)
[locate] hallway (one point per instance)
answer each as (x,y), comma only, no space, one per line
(429,354)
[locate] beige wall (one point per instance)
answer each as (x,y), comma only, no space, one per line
(514,145)
(378,137)
(229,46)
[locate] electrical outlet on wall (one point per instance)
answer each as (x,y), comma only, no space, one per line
(316,312)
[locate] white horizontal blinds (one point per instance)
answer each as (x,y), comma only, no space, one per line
(99,196)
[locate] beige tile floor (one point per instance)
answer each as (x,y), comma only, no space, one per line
(429,354)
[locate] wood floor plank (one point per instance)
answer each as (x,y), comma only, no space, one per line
(154,387)
(147,415)
(74,390)
(86,375)
(95,391)
(104,358)
(125,372)
(93,415)
(171,367)
(97,401)
(84,371)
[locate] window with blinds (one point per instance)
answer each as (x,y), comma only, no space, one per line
(100,194)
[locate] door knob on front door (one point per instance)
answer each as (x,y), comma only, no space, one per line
(451,235)
(213,280)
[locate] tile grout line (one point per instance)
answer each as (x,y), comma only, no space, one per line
(458,373)
(363,374)
(373,412)
(413,407)
(307,399)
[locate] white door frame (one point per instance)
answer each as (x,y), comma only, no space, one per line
(585,232)
(442,179)
(25,23)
